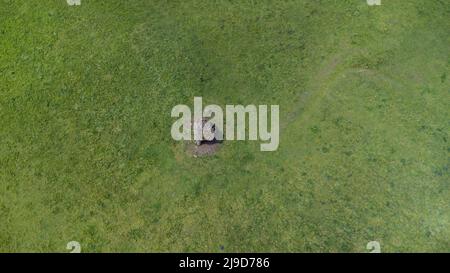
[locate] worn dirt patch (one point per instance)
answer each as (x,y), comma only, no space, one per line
(207,148)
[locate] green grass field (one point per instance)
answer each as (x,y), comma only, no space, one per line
(85,147)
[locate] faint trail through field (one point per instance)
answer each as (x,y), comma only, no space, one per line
(319,85)
(317,88)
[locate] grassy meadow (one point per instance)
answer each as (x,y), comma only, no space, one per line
(86,153)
